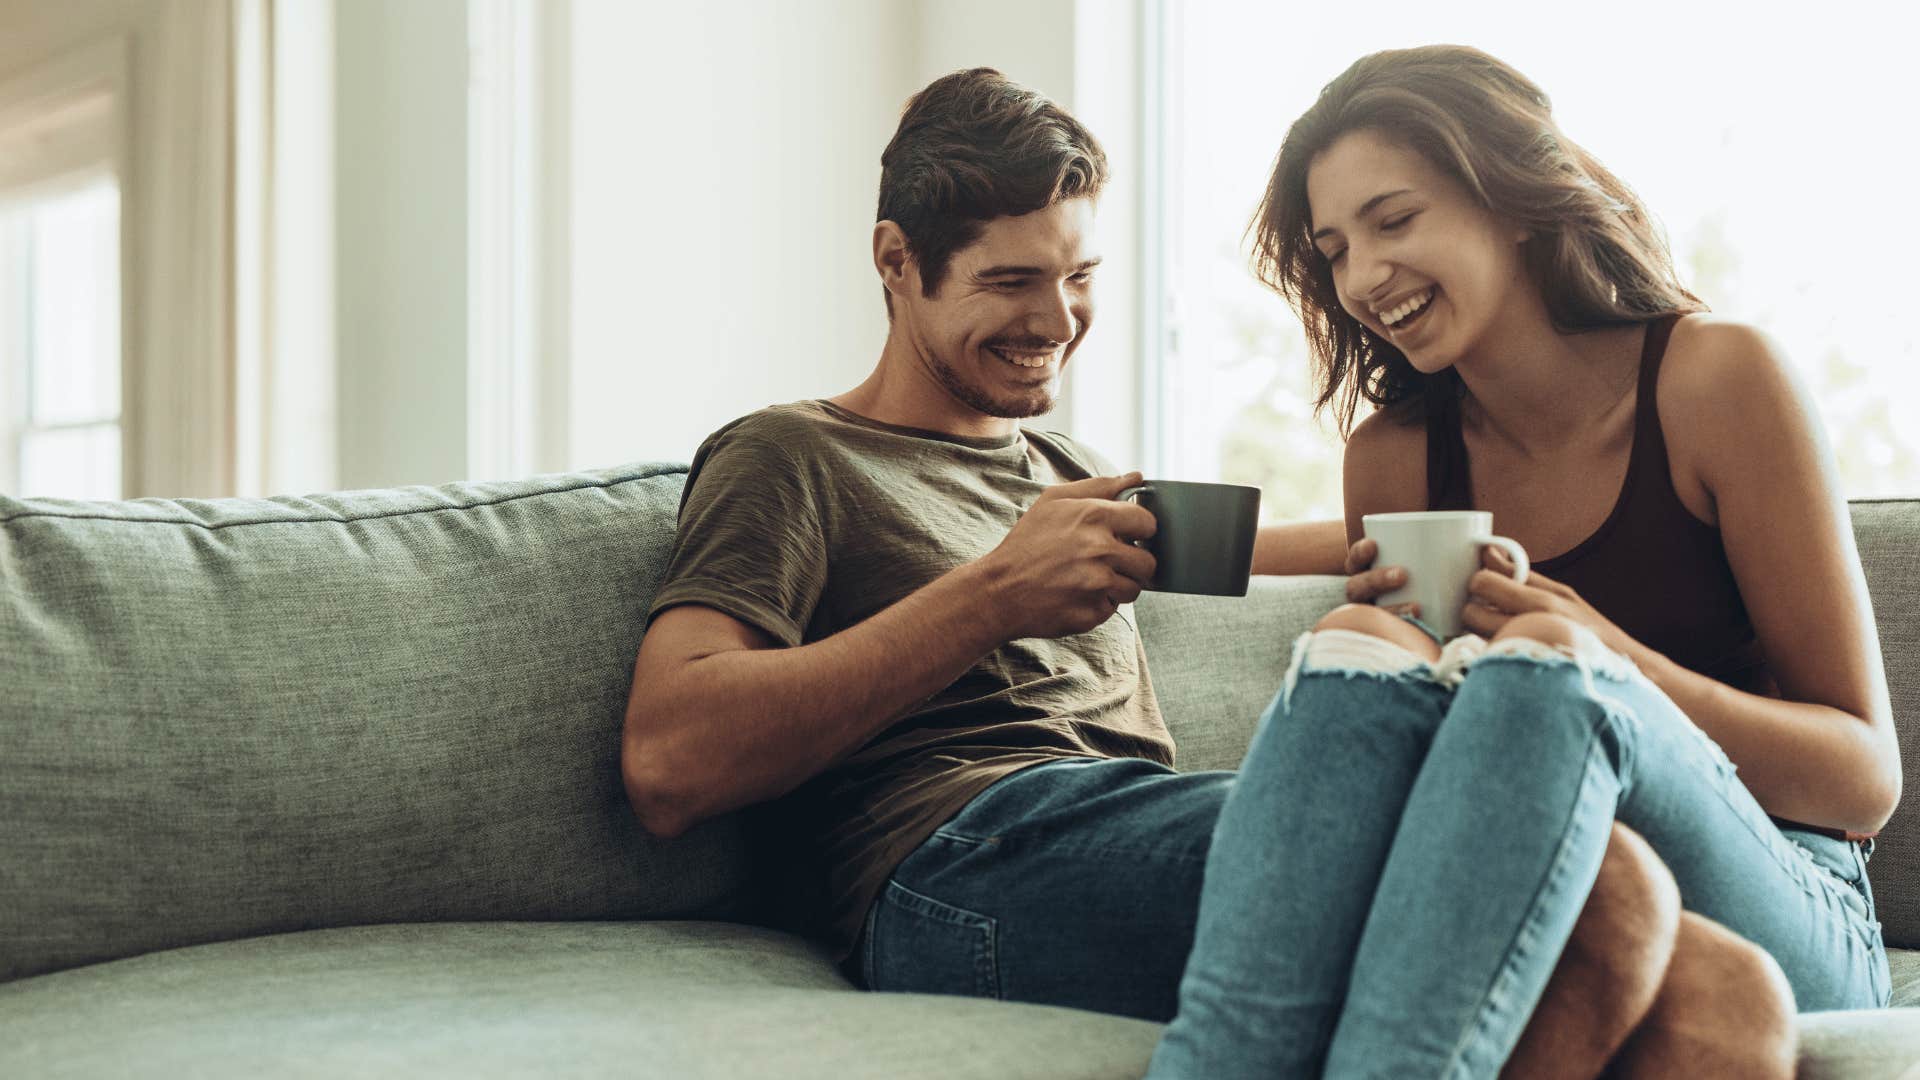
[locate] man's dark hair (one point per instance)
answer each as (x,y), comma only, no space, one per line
(974,146)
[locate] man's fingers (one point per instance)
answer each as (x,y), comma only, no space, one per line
(1363,587)
(1136,564)
(1093,487)
(1129,521)
(1125,592)
(1360,554)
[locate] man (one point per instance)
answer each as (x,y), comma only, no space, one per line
(904,616)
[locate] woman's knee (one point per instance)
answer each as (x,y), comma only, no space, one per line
(1377,622)
(1545,627)
(1557,632)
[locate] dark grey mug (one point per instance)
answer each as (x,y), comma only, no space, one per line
(1205,540)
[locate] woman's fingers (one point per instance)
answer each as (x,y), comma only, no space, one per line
(1482,619)
(1362,587)
(1360,555)
(1501,591)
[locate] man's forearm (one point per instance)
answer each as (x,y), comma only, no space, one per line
(1310,547)
(747,725)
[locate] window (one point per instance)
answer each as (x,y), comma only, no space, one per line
(60,257)
(60,340)
(1773,159)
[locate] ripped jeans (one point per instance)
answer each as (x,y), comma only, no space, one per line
(1393,876)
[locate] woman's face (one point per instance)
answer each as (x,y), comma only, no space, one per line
(1414,256)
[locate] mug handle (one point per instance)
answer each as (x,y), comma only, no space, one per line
(1135,490)
(1515,552)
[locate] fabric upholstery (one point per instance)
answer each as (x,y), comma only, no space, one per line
(235,717)
(692,1001)
(227,719)
(1888,532)
(1216,661)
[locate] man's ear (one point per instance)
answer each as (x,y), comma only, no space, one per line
(892,260)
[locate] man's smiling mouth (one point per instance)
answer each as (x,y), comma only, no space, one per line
(1024,358)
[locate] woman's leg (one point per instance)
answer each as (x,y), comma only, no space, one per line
(1612,973)
(1503,834)
(1298,850)
(1725,1009)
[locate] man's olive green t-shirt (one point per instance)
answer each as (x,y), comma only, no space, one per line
(803,520)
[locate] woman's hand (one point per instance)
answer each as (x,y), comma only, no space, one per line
(1493,597)
(1366,581)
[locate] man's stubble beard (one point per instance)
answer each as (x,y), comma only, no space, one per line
(977,399)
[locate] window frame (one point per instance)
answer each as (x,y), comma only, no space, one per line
(66,121)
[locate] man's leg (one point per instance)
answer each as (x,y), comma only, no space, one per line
(1075,883)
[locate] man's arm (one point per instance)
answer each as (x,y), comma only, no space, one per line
(1308,547)
(719,718)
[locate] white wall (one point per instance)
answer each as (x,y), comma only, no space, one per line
(401,212)
(725,169)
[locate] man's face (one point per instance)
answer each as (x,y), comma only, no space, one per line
(1011,310)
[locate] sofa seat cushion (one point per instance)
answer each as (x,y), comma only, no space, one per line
(1905,968)
(681,999)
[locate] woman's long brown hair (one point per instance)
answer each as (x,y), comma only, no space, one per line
(1592,249)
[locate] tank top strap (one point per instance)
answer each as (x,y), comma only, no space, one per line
(1652,473)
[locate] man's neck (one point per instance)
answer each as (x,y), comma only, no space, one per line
(902,392)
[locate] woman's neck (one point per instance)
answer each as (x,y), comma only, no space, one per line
(1531,386)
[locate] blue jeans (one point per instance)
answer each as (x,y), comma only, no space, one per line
(1387,884)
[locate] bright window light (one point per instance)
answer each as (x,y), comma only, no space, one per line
(60,341)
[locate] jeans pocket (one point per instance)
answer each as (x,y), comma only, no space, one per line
(919,945)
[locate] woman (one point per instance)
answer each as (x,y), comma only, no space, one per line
(1694,656)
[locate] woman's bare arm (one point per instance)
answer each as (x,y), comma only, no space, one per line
(1735,418)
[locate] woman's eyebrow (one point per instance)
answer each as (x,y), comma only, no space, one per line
(1366,208)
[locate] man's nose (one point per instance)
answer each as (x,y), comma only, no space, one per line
(1054,319)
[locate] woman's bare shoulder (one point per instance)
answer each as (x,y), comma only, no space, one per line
(1731,404)
(1386,464)
(1713,362)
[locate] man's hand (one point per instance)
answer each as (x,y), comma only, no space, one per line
(1070,561)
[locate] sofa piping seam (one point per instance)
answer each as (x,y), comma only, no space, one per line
(603,485)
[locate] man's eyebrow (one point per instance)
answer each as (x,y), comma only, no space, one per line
(1366,208)
(1029,271)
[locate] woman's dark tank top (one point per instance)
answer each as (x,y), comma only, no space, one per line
(1659,573)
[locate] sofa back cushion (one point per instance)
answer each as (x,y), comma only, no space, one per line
(1888,532)
(234,717)
(1216,663)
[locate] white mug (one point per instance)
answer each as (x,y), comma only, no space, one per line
(1440,550)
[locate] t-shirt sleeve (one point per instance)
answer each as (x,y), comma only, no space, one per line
(750,542)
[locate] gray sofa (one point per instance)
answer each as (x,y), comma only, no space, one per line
(329,786)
